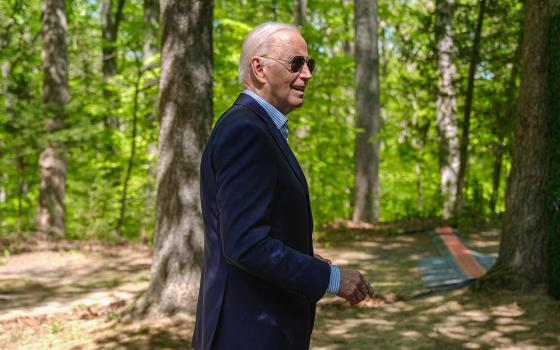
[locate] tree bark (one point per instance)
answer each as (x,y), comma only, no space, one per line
(131,159)
(523,253)
(300,12)
(151,22)
(553,191)
(186,117)
(110,28)
(497,173)
(52,160)
(109,31)
(446,106)
(506,114)
(464,146)
(366,186)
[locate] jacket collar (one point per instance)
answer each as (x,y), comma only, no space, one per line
(249,102)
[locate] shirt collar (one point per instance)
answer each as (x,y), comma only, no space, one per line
(277,117)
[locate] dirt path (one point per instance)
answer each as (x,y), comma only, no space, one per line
(51,282)
(71,299)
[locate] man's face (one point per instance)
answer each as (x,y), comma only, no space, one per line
(284,89)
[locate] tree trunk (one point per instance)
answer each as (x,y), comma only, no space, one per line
(347,45)
(300,12)
(52,160)
(151,22)
(21,187)
(186,117)
(522,256)
(464,146)
(110,28)
(131,159)
(109,31)
(506,114)
(497,173)
(553,111)
(446,106)
(366,186)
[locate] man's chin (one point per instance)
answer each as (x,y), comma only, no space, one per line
(297,102)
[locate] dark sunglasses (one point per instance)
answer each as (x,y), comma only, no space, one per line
(297,62)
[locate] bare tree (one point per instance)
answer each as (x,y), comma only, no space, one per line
(446,106)
(52,160)
(186,117)
(368,109)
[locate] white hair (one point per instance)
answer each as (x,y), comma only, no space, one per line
(258,42)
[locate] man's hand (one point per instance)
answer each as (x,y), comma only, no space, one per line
(323,259)
(353,286)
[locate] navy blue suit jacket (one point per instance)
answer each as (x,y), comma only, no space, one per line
(260,281)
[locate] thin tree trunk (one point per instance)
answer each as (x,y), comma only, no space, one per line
(506,115)
(419,190)
(21,187)
(110,28)
(274,10)
(151,49)
(347,46)
(446,106)
(368,109)
(151,22)
(522,256)
(464,146)
(553,191)
(497,173)
(120,220)
(109,31)
(300,12)
(52,160)
(186,117)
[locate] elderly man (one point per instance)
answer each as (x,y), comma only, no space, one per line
(260,279)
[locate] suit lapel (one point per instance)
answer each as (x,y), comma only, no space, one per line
(249,102)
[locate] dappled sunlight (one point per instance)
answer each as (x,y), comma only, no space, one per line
(509,310)
(51,282)
(475,315)
(393,319)
(352,257)
(486,244)
(411,334)
(368,244)
(345,327)
(443,320)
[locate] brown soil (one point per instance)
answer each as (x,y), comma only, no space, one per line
(70,295)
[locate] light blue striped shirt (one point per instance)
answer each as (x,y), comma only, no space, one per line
(281,123)
(277,117)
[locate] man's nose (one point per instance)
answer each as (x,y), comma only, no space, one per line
(305,72)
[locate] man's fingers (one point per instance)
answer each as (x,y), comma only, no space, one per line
(363,288)
(367,287)
(359,295)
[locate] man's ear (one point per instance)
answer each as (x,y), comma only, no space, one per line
(258,69)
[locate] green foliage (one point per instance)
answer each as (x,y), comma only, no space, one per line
(322,133)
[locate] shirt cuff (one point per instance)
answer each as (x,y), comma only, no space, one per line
(334,281)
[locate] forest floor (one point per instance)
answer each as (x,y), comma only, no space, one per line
(69,295)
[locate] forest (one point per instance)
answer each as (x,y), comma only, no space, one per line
(418,111)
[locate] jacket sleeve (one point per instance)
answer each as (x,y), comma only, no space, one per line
(246,182)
